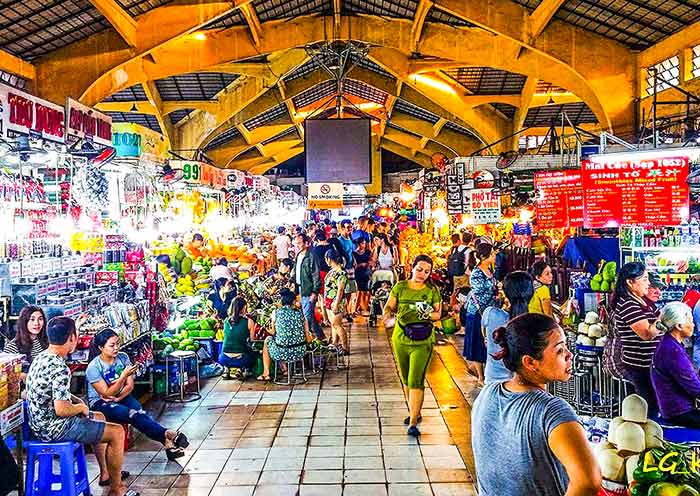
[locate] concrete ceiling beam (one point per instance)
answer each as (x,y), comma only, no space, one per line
(120,20)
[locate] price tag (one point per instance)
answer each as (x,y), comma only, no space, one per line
(27,268)
(15,270)
(38,266)
(56,265)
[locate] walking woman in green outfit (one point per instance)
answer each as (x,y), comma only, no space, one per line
(416,303)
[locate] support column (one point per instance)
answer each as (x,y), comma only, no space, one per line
(375,188)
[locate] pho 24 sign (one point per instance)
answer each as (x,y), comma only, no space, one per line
(485,206)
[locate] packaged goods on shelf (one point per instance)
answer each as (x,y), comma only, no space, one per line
(10,370)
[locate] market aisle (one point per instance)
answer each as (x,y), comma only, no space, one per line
(340,434)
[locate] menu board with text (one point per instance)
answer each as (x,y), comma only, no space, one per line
(559,199)
(485,206)
(635,191)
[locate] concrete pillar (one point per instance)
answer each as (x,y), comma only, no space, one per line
(375,188)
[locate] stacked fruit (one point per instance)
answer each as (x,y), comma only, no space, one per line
(205,264)
(604,280)
(185,286)
(167,343)
(202,328)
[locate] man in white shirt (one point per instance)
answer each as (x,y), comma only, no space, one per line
(282,244)
(221,270)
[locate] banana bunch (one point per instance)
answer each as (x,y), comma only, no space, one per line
(185,286)
(202,283)
(167,273)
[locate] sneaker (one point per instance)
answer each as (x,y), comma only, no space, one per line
(413,431)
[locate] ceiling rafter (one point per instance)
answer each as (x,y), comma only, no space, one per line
(120,20)
(520,114)
(15,65)
(538,21)
(251,18)
(154,98)
(337,10)
(424,7)
(202,128)
(93,82)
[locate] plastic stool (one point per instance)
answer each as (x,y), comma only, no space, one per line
(73,476)
(291,374)
(178,358)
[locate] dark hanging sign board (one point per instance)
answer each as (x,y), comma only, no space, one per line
(458,186)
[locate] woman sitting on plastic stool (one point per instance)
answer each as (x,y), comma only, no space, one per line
(238,329)
(110,383)
(290,335)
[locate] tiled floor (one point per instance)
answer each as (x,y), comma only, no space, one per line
(340,433)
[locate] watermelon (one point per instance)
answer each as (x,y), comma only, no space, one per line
(194,333)
(205,325)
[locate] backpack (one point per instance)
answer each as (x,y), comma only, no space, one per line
(456,262)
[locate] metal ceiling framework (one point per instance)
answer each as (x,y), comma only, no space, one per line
(34,28)
(178,115)
(635,23)
(487,81)
(577,113)
(193,86)
(145,120)
(133,93)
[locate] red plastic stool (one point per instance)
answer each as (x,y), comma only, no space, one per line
(128,436)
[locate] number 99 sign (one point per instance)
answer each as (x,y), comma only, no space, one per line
(191,172)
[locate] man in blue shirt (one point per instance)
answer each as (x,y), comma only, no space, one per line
(361,231)
(348,247)
(346,243)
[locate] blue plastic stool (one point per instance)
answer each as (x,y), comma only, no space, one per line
(72,476)
(677,434)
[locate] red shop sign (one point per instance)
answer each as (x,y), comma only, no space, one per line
(21,113)
(559,199)
(648,190)
(85,122)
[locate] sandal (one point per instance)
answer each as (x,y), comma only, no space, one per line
(263,378)
(407,420)
(181,441)
(108,482)
(174,453)
(130,492)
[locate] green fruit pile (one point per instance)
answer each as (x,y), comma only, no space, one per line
(604,280)
(205,263)
(178,342)
(202,328)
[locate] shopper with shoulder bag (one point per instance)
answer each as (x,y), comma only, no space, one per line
(416,304)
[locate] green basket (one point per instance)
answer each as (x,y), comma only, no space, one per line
(449,325)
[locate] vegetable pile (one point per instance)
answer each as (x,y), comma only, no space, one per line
(636,454)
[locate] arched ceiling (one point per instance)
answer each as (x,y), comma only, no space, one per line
(232,78)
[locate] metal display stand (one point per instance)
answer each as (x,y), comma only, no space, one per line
(179,358)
